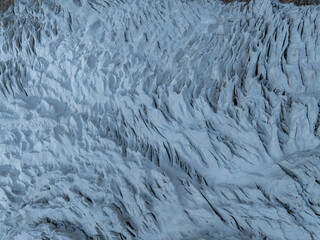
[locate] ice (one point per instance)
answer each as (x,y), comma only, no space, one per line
(159,120)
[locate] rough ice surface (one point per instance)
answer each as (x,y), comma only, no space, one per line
(168,119)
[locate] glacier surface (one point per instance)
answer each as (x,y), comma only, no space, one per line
(168,119)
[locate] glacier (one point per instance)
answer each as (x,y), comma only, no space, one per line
(168,119)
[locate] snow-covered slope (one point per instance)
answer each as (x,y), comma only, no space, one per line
(167,119)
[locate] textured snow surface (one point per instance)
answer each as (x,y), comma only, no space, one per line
(168,119)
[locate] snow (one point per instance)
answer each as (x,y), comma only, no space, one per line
(159,120)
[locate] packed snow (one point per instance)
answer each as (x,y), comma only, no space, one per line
(159,119)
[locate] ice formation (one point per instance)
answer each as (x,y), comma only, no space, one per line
(159,119)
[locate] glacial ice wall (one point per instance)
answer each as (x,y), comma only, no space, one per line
(166,119)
